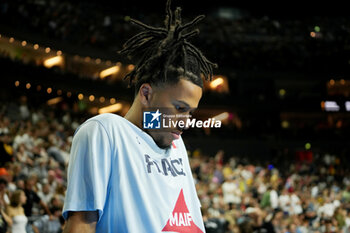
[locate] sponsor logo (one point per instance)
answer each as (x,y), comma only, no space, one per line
(180,220)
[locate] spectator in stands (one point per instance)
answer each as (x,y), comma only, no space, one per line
(17,219)
(32,197)
(4,198)
(47,224)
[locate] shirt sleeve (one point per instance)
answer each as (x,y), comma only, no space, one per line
(88,170)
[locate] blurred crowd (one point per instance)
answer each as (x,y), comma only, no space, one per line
(34,153)
(291,194)
(244,42)
(310,193)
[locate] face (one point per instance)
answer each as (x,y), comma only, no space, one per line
(181,98)
(2,187)
(23,198)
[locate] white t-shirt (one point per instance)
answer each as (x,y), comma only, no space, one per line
(117,169)
(231,193)
(274,199)
(284,202)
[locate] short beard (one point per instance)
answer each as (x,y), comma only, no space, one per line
(159,141)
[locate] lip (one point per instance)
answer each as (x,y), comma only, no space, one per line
(176,135)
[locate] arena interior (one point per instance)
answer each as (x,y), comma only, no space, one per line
(279,163)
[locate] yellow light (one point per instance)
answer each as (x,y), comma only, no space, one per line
(342,81)
(54,61)
(49,90)
(91,98)
(12,40)
(282,92)
(24,43)
(131,67)
(87,59)
(54,100)
(47,50)
(332,82)
(222,116)
(59,92)
(28,85)
(112,100)
(98,61)
(308,146)
(36,46)
(17,83)
(69,94)
(102,99)
(80,96)
(38,88)
(217,82)
(110,108)
(109,71)
(108,63)
(59,53)
(285,124)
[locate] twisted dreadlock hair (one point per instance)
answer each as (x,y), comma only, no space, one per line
(164,55)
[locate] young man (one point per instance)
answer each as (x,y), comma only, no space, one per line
(125,178)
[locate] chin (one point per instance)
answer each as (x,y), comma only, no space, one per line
(162,140)
(163,145)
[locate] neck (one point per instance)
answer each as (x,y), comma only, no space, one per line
(134,116)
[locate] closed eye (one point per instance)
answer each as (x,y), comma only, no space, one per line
(180,108)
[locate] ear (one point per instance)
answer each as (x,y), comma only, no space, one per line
(145,94)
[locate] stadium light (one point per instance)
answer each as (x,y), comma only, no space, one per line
(102,99)
(109,71)
(91,98)
(112,100)
(110,108)
(331,106)
(54,61)
(54,101)
(222,116)
(217,82)
(347,106)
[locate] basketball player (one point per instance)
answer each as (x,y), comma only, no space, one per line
(125,178)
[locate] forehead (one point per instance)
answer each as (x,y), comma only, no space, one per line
(186,91)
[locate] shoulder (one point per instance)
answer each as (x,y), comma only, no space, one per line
(8,209)
(107,121)
(106,118)
(11,211)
